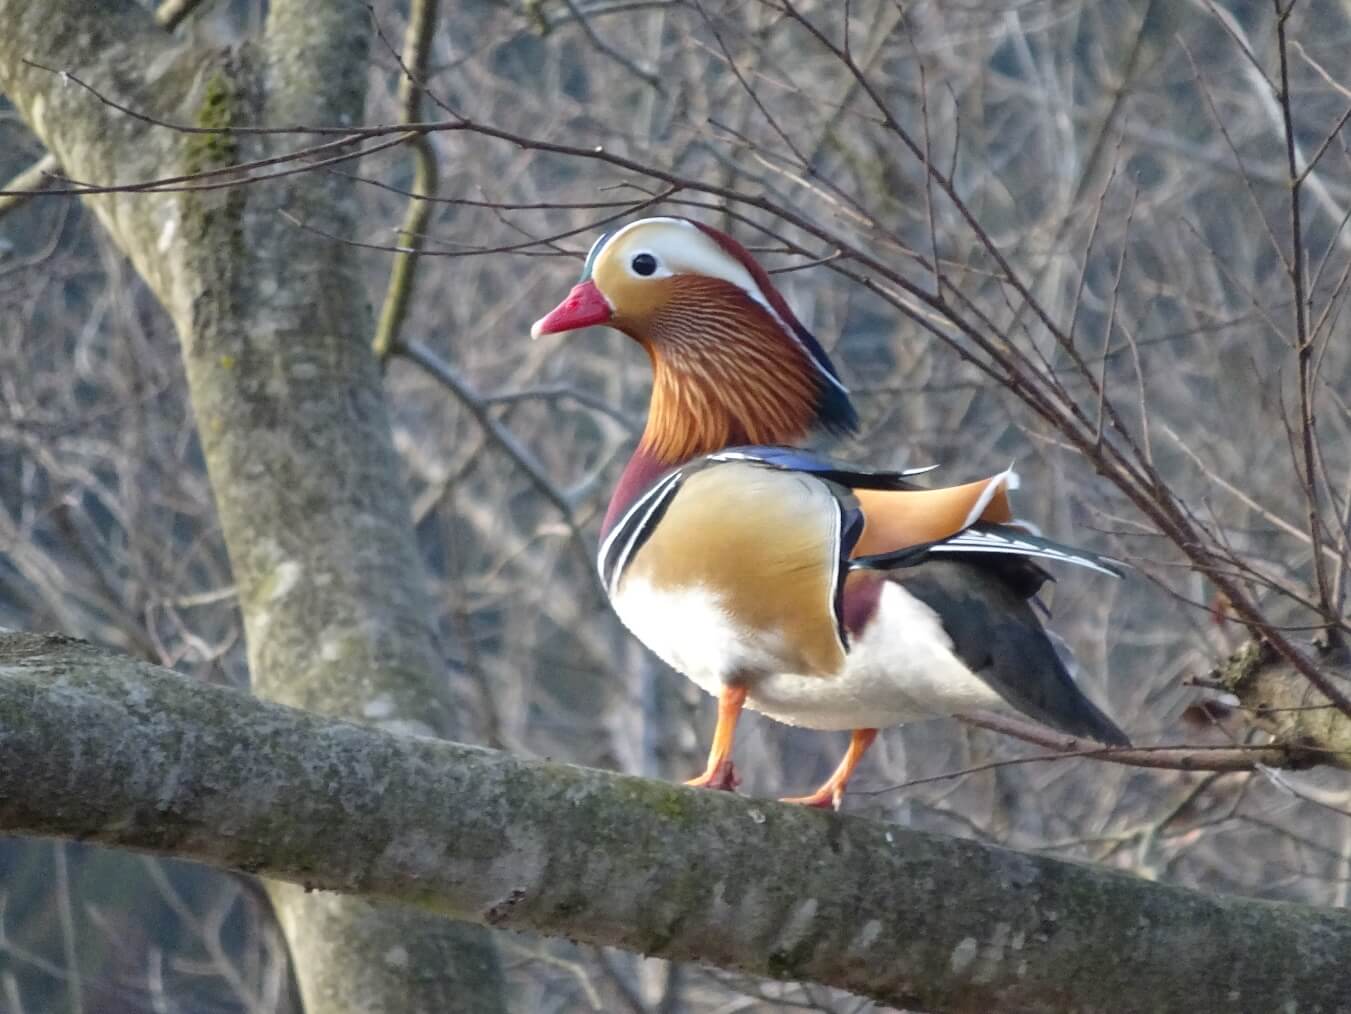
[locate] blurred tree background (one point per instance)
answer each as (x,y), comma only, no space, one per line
(1130,163)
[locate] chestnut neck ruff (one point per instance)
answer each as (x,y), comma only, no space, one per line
(724,374)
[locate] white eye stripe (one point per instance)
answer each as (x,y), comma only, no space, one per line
(684,250)
(687,250)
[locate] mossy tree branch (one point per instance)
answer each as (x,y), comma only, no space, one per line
(100,748)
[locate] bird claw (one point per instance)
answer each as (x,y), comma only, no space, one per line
(825,798)
(721,776)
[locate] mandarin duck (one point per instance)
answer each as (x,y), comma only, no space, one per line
(818,593)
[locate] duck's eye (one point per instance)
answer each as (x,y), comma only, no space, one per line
(643,264)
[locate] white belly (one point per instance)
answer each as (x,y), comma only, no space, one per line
(901,669)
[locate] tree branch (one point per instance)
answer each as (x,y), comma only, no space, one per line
(101,748)
(27,183)
(1283,703)
(169,15)
(119,48)
(399,290)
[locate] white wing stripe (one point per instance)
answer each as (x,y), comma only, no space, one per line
(1007,479)
(1024,550)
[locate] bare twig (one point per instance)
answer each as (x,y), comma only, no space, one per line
(501,436)
(1304,341)
(605,49)
(230,176)
(27,183)
(1233,757)
(403,272)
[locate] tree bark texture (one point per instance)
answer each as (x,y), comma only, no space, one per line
(100,748)
(1287,705)
(288,403)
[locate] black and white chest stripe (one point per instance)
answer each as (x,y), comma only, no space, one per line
(634,528)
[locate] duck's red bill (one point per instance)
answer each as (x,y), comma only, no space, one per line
(584,306)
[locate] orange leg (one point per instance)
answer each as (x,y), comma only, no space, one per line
(720,774)
(830,794)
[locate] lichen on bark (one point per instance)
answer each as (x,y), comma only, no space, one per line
(1283,702)
(209,214)
(215,112)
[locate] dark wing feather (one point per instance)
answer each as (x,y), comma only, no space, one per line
(991,540)
(998,637)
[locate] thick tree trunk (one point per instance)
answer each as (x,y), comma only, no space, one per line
(101,748)
(288,404)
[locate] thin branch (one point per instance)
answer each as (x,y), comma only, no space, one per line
(403,272)
(606,50)
(1304,343)
(524,247)
(600,10)
(1269,515)
(936,265)
(1343,552)
(563,392)
(229,176)
(502,437)
(1180,757)
(27,183)
(1247,177)
(750,92)
(1112,310)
